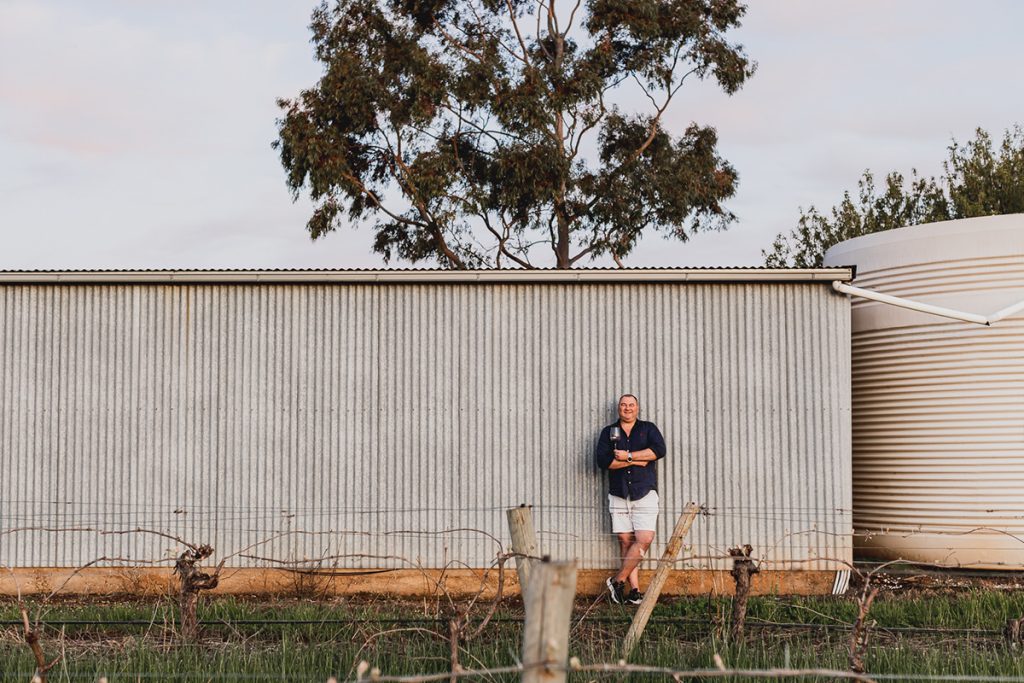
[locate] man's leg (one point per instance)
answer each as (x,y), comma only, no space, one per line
(643,518)
(633,555)
(626,541)
(634,578)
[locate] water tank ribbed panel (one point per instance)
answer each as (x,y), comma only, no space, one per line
(938,405)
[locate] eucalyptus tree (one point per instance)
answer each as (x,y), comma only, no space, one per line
(511,133)
(978,179)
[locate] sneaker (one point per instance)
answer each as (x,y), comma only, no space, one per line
(635,597)
(616,589)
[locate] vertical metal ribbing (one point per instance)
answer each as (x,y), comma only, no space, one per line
(226,414)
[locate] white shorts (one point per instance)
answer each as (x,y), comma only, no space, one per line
(633,515)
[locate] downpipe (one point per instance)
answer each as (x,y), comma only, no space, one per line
(844,288)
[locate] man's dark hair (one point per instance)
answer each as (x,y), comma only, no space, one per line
(631,396)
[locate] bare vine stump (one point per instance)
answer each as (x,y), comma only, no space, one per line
(32,640)
(192,579)
(1014,633)
(742,569)
(861,630)
(454,631)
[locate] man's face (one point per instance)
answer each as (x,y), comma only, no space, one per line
(628,408)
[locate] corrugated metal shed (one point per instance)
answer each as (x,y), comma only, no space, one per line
(390,417)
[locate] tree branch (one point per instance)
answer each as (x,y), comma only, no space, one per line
(645,90)
(519,36)
(496,37)
(456,44)
(138,530)
(552,21)
(430,223)
(653,132)
(541,6)
(572,15)
(372,196)
(501,245)
(480,130)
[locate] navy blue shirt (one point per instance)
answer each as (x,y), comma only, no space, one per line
(636,481)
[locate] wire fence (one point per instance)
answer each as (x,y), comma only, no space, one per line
(694,624)
(811,533)
(610,671)
(191,552)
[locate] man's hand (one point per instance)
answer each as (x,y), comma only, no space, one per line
(621,464)
(622,460)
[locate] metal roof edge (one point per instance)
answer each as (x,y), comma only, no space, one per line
(639,275)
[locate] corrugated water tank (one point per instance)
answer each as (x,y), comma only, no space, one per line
(938,404)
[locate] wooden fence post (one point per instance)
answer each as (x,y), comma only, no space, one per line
(524,541)
(675,544)
(548,599)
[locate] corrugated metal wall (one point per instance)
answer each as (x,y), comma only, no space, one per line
(399,421)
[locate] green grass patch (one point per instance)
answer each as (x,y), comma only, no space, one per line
(327,638)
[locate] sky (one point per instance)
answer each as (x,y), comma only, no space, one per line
(137,135)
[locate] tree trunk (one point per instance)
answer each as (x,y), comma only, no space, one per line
(562,258)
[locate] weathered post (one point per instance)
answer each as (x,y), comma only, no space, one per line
(675,544)
(548,598)
(524,541)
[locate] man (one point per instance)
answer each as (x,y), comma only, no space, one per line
(632,492)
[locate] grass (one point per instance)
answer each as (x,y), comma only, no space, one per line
(683,634)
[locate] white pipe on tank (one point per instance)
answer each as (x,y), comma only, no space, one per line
(928,308)
(1006,312)
(917,306)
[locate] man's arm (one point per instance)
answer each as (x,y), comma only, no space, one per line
(656,447)
(622,459)
(645,456)
(620,464)
(603,455)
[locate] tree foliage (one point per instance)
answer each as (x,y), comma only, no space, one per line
(474,133)
(978,179)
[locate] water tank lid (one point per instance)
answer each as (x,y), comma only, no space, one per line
(968,238)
